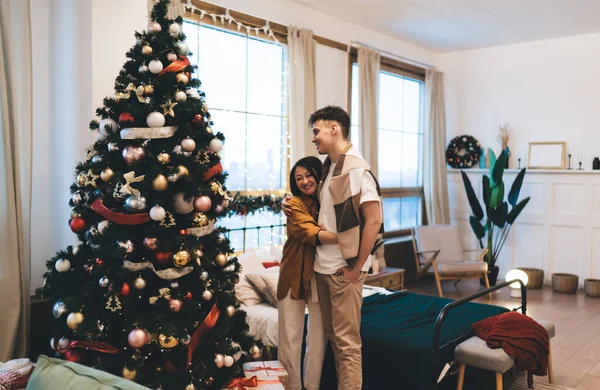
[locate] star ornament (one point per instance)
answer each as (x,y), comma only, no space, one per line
(168,108)
(90,178)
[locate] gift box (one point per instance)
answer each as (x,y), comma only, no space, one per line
(256,383)
(262,369)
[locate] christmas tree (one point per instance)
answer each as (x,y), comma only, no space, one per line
(148,293)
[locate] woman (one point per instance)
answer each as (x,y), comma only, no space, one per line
(297,286)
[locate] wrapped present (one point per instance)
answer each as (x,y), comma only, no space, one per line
(262,369)
(255,383)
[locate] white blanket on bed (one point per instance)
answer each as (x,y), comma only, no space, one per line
(262,318)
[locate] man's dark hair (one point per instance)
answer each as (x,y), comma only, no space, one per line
(332,113)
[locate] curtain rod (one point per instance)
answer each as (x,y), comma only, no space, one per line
(387,53)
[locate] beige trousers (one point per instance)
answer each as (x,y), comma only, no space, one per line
(341,301)
(291,314)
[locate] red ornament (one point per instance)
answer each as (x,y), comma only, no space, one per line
(77,225)
(99,262)
(126,118)
(182,232)
(198,120)
(73,355)
(164,258)
(188,296)
(125,289)
(150,243)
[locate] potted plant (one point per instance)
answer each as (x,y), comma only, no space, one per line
(497,220)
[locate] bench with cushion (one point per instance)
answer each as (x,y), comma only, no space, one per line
(475,353)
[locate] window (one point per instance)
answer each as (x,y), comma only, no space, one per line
(244,81)
(400,145)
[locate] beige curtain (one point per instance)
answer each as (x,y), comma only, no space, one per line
(301,91)
(369,65)
(15,176)
(435,181)
(176,8)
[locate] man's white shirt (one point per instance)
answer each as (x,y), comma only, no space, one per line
(329,259)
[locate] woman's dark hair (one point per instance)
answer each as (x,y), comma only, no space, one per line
(311,164)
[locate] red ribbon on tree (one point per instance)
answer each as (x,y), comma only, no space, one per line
(206,325)
(119,218)
(218,168)
(176,66)
(96,346)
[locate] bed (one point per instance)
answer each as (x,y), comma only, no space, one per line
(407,338)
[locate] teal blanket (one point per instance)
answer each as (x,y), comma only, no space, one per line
(397,333)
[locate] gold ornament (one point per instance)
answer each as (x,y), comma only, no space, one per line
(182,78)
(80,179)
(168,108)
(209,381)
(202,157)
(148,89)
(182,258)
(162,293)
(74,319)
(200,220)
(139,90)
(209,130)
(160,183)
(182,171)
(190,387)
(75,214)
(139,283)
(164,158)
(168,220)
(90,178)
(180,96)
(167,341)
(255,351)
(107,174)
(221,260)
(147,50)
(129,374)
(120,96)
(206,295)
(130,179)
(230,311)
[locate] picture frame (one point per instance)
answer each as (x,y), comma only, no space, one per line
(547,155)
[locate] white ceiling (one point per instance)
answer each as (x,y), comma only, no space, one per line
(452,25)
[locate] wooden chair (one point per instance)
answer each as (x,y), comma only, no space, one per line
(438,249)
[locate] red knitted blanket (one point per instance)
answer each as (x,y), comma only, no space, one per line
(520,337)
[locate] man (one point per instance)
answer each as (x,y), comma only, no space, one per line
(350,206)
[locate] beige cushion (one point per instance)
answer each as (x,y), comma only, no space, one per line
(468,267)
(256,280)
(271,279)
(244,291)
(445,238)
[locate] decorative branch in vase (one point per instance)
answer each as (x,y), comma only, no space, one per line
(503,137)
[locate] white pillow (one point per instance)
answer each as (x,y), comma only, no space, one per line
(244,291)
(257,280)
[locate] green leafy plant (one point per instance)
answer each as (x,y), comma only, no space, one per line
(499,216)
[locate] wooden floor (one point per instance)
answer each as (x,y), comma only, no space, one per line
(576,346)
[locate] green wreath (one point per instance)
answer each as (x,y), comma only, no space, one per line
(463,152)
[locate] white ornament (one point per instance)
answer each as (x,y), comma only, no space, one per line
(219,360)
(177,149)
(193,93)
(181,206)
(216,145)
(76,250)
(180,96)
(157,213)
(155,66)
(63,343)
(108,126)
(175,29)
(101,137)
(154,27)
(155,119)
(62,265)
(102,226)
(171,57)
(228,361)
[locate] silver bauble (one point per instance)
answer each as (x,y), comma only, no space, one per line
(136,203)
(113,147)
(104,281)
(207,295)
(77,198)
(59,309)
(204,276)
(182,48)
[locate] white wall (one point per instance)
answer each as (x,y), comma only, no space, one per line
(547,91)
